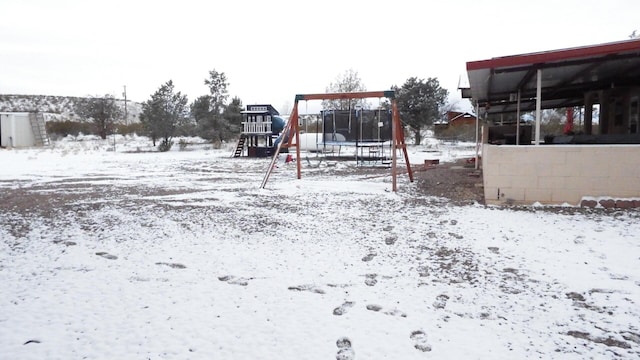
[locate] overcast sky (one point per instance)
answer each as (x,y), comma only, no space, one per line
(273,50)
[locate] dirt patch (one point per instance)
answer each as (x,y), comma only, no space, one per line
(457,181)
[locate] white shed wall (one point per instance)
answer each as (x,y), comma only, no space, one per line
(15,130)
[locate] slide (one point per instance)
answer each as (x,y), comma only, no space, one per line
(277,124)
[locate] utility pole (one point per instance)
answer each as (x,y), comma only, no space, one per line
(126,117)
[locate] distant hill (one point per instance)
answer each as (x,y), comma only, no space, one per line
(58,108)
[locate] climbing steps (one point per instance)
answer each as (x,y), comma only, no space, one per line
(240,146)
(39,129)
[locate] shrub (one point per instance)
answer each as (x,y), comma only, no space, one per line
(183,144)
(135,128)
(165,145)
(457,133)
(64,128)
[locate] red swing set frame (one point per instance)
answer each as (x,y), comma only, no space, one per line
(291,131)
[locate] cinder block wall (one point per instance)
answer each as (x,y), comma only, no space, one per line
(558,174)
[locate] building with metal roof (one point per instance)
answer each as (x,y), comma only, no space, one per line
(570,168)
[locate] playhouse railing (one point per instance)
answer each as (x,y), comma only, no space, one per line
(256,127)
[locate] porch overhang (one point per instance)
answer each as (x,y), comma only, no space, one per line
(567,74)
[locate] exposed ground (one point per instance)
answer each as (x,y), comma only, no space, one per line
(459,182)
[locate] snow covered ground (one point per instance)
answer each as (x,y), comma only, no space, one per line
(180,255)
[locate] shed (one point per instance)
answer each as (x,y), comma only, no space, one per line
(22,129)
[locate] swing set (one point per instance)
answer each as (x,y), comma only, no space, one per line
(291,132)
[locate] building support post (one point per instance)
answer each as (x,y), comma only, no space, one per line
(538,104)
(603,115)
(588,113)
(477,137)
(518,119)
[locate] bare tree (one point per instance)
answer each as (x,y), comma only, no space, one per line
(349,81)
(286,108)
(102,112)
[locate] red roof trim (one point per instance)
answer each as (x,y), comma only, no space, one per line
(556,55)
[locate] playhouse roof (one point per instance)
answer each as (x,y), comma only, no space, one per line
(260,109)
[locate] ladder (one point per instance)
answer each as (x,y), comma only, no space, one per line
(240,146)
(39,129)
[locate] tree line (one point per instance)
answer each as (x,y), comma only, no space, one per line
(167,113)
(420,102)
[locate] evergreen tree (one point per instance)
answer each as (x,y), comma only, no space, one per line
(233,115)
(349,81)
(226,126)
(419,103)
(209,110)
(201,109)
(102,112)
(164,113)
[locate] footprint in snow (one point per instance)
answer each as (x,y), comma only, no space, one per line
(369,257)
(420,340)
(390,240)
(234,280)
(441,301)
(172,265)
(342,309)
(106,255)
(371,279)
(311,288)
(494,249)
(345,351)
(392,312)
